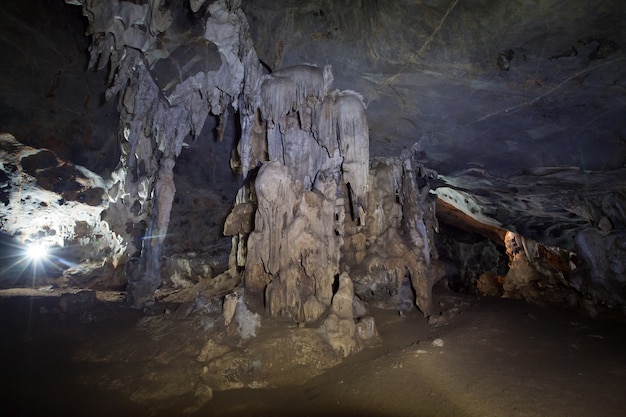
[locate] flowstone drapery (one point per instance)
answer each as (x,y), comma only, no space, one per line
(313,145)
(398,241)
(303,149)
(158,113)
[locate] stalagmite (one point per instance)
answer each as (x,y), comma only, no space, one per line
(286,257)
(317,146)
(308,210)
(398,239)
(339,327)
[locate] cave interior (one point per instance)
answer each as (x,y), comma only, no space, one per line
(313,208)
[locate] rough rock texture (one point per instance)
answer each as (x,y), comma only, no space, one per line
(313,145)
(514,102)
(193,357)
(398,237)
(186,270)
(339,327)
(473,256)
(55,204)
(293,253)
(271,362)
(602,274)
(516,105)
(316,185)
(510,113)
(538,272)
(157,115)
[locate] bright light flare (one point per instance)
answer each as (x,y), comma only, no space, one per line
(36,252)
(35,258)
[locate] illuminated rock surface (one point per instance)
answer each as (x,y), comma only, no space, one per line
(245,165)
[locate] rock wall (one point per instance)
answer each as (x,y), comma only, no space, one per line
(602,276)
(56,205)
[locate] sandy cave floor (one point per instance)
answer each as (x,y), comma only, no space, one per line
(499,358)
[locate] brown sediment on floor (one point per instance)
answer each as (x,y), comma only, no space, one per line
(479,357)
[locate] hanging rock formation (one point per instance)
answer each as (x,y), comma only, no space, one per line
(157,115)
(303,149)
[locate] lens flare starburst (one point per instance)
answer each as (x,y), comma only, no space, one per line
(32,261)
(36,252)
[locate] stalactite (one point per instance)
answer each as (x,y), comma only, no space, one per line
(287,89)
(354,146)
(152,121)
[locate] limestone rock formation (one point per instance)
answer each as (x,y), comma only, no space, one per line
(293,253)
(313,145)
(58,206)
(603,276)
(156,118)
(339,327)
(537,271)
(398,238)
(353,154)
(178,71)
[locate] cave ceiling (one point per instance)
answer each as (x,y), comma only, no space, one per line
(519,106)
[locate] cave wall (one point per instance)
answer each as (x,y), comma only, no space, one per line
(58,206)
(175,71)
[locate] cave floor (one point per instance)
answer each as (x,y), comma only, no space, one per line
(482,357)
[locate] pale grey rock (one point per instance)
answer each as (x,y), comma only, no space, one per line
(366,329)
(438,343)
(604,273)
(248,322)
(183,270)
(229,307)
